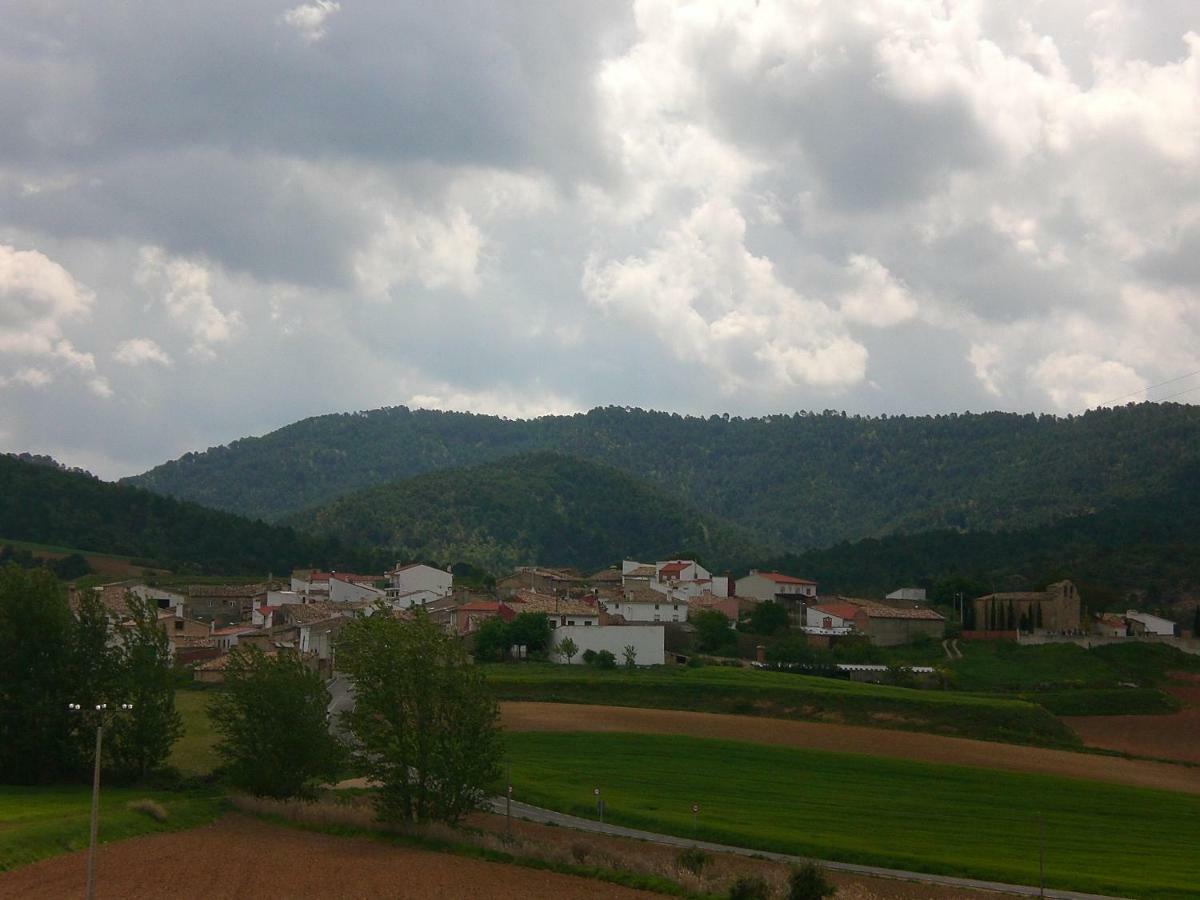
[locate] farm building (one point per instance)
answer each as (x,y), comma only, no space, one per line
(888,626)
(791,593)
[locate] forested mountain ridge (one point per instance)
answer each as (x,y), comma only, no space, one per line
(1149,546)
(538,508)
(44,504)
(803,480)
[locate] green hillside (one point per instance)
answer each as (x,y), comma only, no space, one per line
(797,481)
(534,508)
(47,505)
(1149,544)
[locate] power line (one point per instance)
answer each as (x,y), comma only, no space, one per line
(1180,394)
(1150,388)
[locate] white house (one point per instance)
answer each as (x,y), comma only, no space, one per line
(774,586)
(415,578)
(647,641)
(1155,625)
(681,570)
(636,574)
(161,598)
(227,638)
(642,605)
(830,618)
(283,598)
(344,591)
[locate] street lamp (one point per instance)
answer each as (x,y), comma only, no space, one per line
(102,712)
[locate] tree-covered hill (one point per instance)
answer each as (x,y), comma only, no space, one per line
(541,508)
(44,504)
(1149,546)
(803,480)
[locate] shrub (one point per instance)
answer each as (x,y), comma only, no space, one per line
(589,657)
(750,887)
(605,660)
(151,808)
(808,882)
(580,853)
(693,859)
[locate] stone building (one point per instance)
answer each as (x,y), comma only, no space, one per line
(1056,609)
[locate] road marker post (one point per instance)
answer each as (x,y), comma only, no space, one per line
(695,819)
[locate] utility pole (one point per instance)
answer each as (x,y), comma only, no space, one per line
(101,712)
(508,803)
(1041,855)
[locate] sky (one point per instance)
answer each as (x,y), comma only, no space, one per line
(218,218)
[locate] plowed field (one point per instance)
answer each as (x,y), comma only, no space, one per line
(239,857)
(1165,737)
(851,739)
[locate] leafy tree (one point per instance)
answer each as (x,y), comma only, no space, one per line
(808,882)
(768,617)
(492,640)
(713,634)
(567,648)
(37,741)
(273,721)
(142,739)
(630,655)
(425,721)
(532,630)
(1196,622)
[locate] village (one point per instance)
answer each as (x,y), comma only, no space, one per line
(644,613)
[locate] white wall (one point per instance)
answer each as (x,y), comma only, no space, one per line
(417,598)
(647,640)
(1152,624)
(283,598)
(422,578)
(668,610)
(349,592)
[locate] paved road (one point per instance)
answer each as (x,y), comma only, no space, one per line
(548,816)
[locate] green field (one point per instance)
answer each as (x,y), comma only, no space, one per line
(1006,666)
(39,822)
(932,818)
(193,753)
(779,695)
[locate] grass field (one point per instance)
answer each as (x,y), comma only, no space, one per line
(193,754)
(753,692)
(946,819)
(1006,666)
(39,822)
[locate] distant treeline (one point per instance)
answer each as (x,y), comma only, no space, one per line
(1149,545)
(44,504)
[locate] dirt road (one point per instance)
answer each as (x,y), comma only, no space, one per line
(851,739)
(238,857)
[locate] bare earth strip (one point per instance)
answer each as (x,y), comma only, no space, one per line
(851,739)
(238,857)
(1166,737)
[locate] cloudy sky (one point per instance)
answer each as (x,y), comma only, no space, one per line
(217,218)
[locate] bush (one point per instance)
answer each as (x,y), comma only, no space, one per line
(768,617)
(580,853)
(150,808)
(605,660)
(808,882)
(589,657)
(693,859)
(713,634)
(750,887)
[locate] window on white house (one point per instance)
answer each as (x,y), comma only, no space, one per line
(570,621)
(588,622)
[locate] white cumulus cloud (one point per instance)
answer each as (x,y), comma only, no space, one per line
(310,19)
(138,351)
(185,289)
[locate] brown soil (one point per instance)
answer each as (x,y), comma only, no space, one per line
(238,857)
(1164,737)
(851,739)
